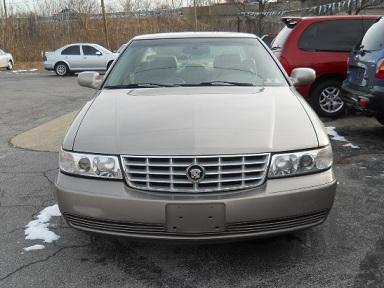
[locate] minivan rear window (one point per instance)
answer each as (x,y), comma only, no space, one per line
(374,38)
(281,38)
(335,36)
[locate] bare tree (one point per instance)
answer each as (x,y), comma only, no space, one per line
(357,8)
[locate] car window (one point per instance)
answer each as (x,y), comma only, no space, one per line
(337,36)
(194,61)
(89,50)
(368,23)
(374,38)
(281,38)
(71,50)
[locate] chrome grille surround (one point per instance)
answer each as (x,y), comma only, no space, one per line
(222,172)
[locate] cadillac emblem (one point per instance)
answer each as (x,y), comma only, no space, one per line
(195,173)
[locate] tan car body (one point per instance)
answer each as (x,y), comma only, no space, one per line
(196,121)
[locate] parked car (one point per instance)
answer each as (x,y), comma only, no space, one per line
(222,149)
(364,87)
(121,48)
(268,38)
(78,57)
(323,44)
(6,60)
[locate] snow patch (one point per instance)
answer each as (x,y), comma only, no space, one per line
(34,247)
(24,70)
(331,131)
(38,229)
(351,145)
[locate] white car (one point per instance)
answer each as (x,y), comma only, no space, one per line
(6,60)
(78,57)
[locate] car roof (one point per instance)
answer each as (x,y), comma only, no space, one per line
(176,35)
(81,43)
(334,17)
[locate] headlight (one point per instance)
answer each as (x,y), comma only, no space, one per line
(101,166)
(299,163)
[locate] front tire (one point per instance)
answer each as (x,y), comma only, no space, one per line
(10,65)
(61,69)
(380,118)
(326,100)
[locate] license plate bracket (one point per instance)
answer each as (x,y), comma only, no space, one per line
(195,218)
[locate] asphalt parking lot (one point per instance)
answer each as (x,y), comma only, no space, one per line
(346,251)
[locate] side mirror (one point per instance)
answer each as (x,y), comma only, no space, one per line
(98,53)
(89,79)
(303,76)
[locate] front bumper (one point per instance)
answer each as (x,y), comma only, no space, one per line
(279,206)
(374,99)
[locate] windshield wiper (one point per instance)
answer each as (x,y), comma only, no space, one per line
(360,49)
(216,83)
(139,85)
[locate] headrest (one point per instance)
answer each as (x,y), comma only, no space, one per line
(227,61)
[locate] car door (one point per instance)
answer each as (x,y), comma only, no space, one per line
(94,58)
(3,59)
(73,57)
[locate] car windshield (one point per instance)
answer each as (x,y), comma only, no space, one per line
(195,62)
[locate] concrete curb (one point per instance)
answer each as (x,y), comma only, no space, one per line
(47,137)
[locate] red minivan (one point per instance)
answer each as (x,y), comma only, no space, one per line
(322,43)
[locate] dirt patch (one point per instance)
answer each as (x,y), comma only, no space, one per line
(28,65)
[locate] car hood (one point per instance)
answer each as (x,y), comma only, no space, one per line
(195,121)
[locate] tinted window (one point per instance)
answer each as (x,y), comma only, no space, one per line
(89,50)
(193,61)
(71,50)
(338,35)
(374,38)
(368,23)
(281,38)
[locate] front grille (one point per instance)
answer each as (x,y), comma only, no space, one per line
(261,226)
(222,173)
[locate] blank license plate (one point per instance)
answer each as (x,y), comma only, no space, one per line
(195,218)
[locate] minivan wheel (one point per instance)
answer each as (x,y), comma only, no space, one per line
(10,65)
(380,118)
(326,100)
(61,69)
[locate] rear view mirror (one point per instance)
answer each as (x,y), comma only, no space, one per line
(90,79)
(303,76)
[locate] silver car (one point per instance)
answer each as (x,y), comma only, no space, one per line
(196,136)
(6,60)
(78,57)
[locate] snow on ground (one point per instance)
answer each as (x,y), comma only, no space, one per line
(38,229)
(336,137)
(24,70)
(34,247)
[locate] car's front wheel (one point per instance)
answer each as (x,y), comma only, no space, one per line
(380,118)
(61,69)
(326,100)
(10,65)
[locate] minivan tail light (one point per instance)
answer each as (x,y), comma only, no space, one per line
(285,64)
(380,69)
